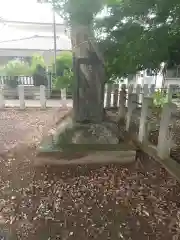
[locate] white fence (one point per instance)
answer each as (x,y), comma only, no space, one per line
(167,117)
(40,94)
(23,80)
(112,92)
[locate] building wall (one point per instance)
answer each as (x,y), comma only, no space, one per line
(35,27)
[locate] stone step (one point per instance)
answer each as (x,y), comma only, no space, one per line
(89,147)
(84,161)
(95,157)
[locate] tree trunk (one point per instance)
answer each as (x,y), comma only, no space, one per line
(88,96)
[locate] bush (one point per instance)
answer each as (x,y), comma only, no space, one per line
(159,99)
(13,69)
(38,70)
(39,76)
(64,73)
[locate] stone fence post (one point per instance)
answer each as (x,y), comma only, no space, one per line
(146,90)
(132,99)
(115,95)
(145,113)
(108,95)
(152,89)
(130,88)
(139,95)
(2,103)
(122,105)
(164,140)
(43,96)
(63,94)
(21,96)
(171,88)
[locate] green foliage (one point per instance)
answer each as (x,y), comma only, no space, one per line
(13,69)
(135,35)
(16,68)
(36,61)
(64,81)
(38,70)
(64,64)
(159,99)
(78,11)
(40,76)
(139,35)
(63,61)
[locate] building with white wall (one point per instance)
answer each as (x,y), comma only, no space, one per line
(32,37)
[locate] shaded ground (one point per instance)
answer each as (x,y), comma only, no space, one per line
(139,201)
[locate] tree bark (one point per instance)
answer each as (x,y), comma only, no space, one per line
(88,96)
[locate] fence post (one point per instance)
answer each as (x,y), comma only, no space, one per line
(108,95)
(143,134)
(146,90)
(138,92)
(132,98)
(164,140)
(43,96)
(152,89)
(130,88)
(170,92)
(63,96)
(123,86)
(21,96)
(2,104)
(115,95)
(122,105)
(49,80)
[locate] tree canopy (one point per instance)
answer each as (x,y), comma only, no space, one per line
(140,34)
(135,34)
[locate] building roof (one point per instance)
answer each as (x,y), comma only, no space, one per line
(37,43)
(9,22)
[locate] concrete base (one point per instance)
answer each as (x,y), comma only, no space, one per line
(100,157)
(72,143)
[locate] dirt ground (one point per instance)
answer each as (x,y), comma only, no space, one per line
(18,127)
(138,201)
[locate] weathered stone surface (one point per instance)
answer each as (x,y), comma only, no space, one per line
(95,134)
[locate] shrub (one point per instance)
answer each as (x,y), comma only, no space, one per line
(159,99)
(13,69)
(38,70)
(64,74)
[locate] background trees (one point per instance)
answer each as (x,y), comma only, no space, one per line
(64,73)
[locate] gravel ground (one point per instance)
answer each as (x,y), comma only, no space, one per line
(27,126)
(139,201)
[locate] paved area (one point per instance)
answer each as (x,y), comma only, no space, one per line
(36,103)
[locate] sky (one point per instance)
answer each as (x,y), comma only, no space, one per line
(26,10)
(23,10)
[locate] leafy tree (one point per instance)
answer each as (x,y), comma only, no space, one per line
(37,60)
(140,34)
(38,70)
(16,68)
